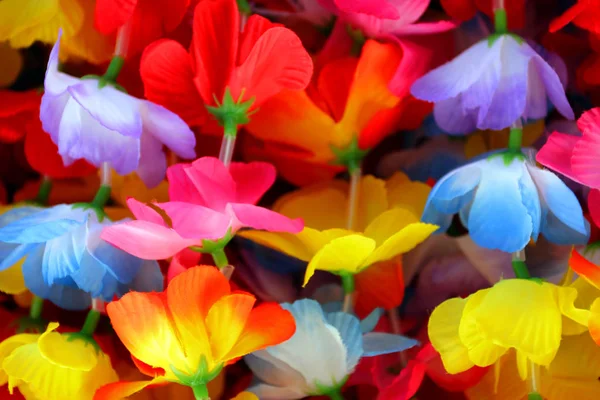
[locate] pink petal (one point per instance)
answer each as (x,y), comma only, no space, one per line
(142,212)
(181,187)
(261,218)
(376,8)
(415,61)
(182,261)
(586,154)
(194,221)
(252,180)
(425,28)
(594,206)
(557,152)
(146,240)
(213,182)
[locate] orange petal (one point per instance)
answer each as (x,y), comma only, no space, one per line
(142,323)
(122,390)
(380,285)
(594,322)
(267,325)
(225,321)
(584,268)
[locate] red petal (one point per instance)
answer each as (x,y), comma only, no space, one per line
(381,285)
(254,29)
(453,383)
(334,84)
(112,14)
(515,11)
(147,369)
(463,10)
(594,206)
(12,103)
(406,384)
(266,71)
(42,155)
(215,46)
(166,70)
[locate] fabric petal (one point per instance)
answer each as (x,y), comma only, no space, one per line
(584,268)
(111,14)
(275,372)
(52,346)
(594,206)
(586,151)
(252,180)
(407,10)
(261,218)
(62,255)
(349,328)
(168,128)
(181,188)
(213,182)
(41,226)
(16,256)
(268,392)
(12,280)
(556,153)
(378,343)
(122,390)
(153,161)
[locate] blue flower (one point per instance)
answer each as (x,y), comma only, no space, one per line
(504,206)
(493,84)
(323,352)
(66,261)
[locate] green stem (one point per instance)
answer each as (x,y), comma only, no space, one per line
(244,7)
(515,139)
(114,68)
(500,21)
(44,191)
(335,395)
(91,323)
(220,258)
(230,128)
(35,310)
(348,285)
(520,269)
(201,392)
(534,396)
(102,197)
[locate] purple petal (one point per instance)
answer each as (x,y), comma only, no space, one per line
(169,129)
(554,87)
(51,111)
(113,109)
(153,162)
(451,117)
(57,82)
(81,136)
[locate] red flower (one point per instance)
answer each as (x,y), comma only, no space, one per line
(150,19)
(19,117)
(255,64)
(585,14)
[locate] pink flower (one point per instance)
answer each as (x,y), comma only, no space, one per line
(208,202)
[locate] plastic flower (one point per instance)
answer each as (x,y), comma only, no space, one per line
(248,66)
(318,359)
(53,366)
(149,19)
(188,333)
(25,22)
(513,314)
(505,204)
(573,374)
(11,273)
(223,199)
(381,234)
(102,124)
(576,157)
(594,206)
(66,261)
(498,91)
(584,14)
(349,111)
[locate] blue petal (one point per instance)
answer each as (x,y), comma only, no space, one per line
(349,328)
(455,190)
(43,226)
(378,343)
(331,307)
(531,201)
(148,279)
(498,219)
(17,254)
(371,320)
(63,254)
(89,275)
(17,213)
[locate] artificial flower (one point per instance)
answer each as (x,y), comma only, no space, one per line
(497,92)
(103,124)
(66,261)
(485,141)
(576,157)
(348,111)
(465,10)
(320,356)
(513,314)
(188,333)
(505,204)
(148,20)
(11,276)
(222,198)
(53,366)
(25,22)
(380,234)
(573,373)
(247,66)
(594,206)
(584,14)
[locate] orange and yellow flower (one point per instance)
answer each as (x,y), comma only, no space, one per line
(189,332)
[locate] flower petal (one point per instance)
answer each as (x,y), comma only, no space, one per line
(122,390)
(273,371)
(41,226)
(594,206)
(586,151)
(169,129)
(181,188)
(111,14)
(252,180)
(378,343)
(261,218)
(556,153)
(11,279)
(153,161)
(53,346)
(407,10)
(213,182)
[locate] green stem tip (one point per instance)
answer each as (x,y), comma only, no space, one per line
(44,191)
(220,258)
(35,310)
(201,392)
(91,323)
(534,396)
(335,395)
(515,139)
(114,68)
(520,269)
(500,21)
(102,197)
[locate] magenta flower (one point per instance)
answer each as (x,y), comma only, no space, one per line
(208,202)
(103,124)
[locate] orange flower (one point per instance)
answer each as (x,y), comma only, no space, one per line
(347,111)
(189,332)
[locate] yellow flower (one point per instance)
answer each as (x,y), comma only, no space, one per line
(387,224)
(23,22)
(52,367)
(528,316)
(573,374)
(483,141)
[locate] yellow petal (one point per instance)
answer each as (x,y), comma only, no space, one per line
(11,279)
(372,201)
(9,345)
(10,67)
(509,386)
(17,16)
(245,396)
(388,223)
(66,352)
(443,334)
(131,185)
(405,194)
(345,254)
(302,246)
(523,365)
(574,320)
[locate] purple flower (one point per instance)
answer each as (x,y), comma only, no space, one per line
(104,124)
(492,84)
